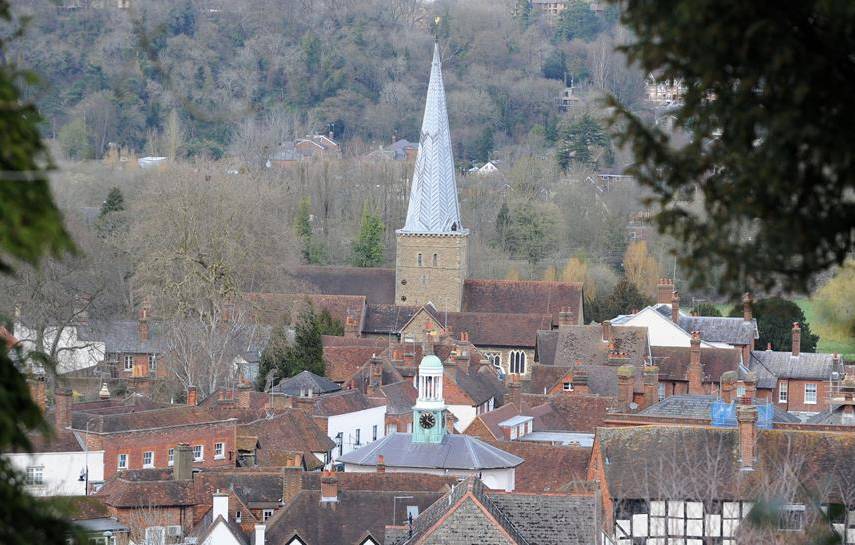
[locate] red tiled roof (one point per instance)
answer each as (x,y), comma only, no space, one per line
(347,401)
(377,285)
(498,329)
(547,468)
(293,430)
(490,420)
(342,362)
(572,412)
(673,361)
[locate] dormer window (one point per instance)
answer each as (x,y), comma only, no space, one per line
(568,386)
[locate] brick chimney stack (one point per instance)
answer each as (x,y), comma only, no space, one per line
(62,407)
(142,324)
(608,333)
(351,327)
(750,383)
(244,395)
(746,417)
(664,289)
(675,307)
(292,483)
(329,487)
(376,378)
(381,464)
(626,384)
(514,388)
(182,465)
(651,385)
(695,372)
(797,339)
(38,391)
(728,380)
(747,303)
(192,396)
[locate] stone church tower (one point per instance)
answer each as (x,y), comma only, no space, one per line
(432,251)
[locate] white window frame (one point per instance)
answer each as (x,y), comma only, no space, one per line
(152,363)
(374,432)
(266,514)
(201,456)
(129,363)
(783,391)
(122,461)
(518,362)
(811,388)
(171,457)
(357,435)
(568,386)
(35,476)
(150,462)
(219,451)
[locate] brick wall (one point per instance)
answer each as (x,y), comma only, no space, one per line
(441,284)
(796,395)
(159,441)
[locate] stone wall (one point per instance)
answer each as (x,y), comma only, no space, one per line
(431,268)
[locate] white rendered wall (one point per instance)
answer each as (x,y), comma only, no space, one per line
(221,535)
(348,423)
(496,479)
(74,354)
(465,414)
(61,471)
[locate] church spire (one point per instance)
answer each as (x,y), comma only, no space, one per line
(433,204)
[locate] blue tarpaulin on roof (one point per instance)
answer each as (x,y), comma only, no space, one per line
(724,414)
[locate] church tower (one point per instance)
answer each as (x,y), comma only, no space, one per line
(432,247)
(429,410)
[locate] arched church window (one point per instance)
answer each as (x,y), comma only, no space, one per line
(517,362)
(435,261)
(419,260)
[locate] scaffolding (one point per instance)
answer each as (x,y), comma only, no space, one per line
(724,414)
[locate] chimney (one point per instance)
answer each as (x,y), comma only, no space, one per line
(664,289)
(750,383)
(259,534)
(244,395)
(38,391)
(728,379)
(104,393)
(409,359)
(221,506)
(675,307)
(376,380)
(292,483)
(62,407)
(142,324)
(651,384)
(192,394)
(565,318)
(464,336)
(514,388)
(608,334)
(329,487)
(182,466)
(797,339)
(695,372)
(381,464)
(747,302)
(351,327)
(746,417)
(626,384)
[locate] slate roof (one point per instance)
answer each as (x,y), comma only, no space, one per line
(544,377)
(122,493)
(251,487)
(454,452)
(143,420)
(522,297)
(718,329)
(673,361)
(585,343)
(122,336)
(366,504)
(304,382)
(347,401)
(771,365)
(700,407)
(387,318)
(400,397)
(498,329)
(459,518)
(377,285)
(648,462)
(837,415)
(476,383)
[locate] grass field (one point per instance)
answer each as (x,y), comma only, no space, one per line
(829,341)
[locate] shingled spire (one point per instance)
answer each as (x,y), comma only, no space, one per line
(433,205)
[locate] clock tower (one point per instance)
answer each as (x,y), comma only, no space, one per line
(429,411)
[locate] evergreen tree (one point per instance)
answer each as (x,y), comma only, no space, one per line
(577,21)
(484,145)
(303,219)
(273,359)
(503,224)
(625,298)
(555,65)
(368,249)
(706,309)
(579,140)
(115,203)
(775,317)
(314,250)
(522,13)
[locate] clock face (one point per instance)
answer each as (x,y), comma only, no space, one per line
(427,421)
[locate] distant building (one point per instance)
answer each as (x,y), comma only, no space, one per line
(664,92)
(312,146)
(399,150)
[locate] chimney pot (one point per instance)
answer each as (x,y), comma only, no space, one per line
(329,487)
(675,307)
(62,408)
(747,313)
(381,464)
(695,371)
(664,290)
(608,334)
(797,339)
(746,416)
(192,395)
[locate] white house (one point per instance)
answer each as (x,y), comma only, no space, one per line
(661,331)
(349,418)
(59,468)
(72,353)
(218,530)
